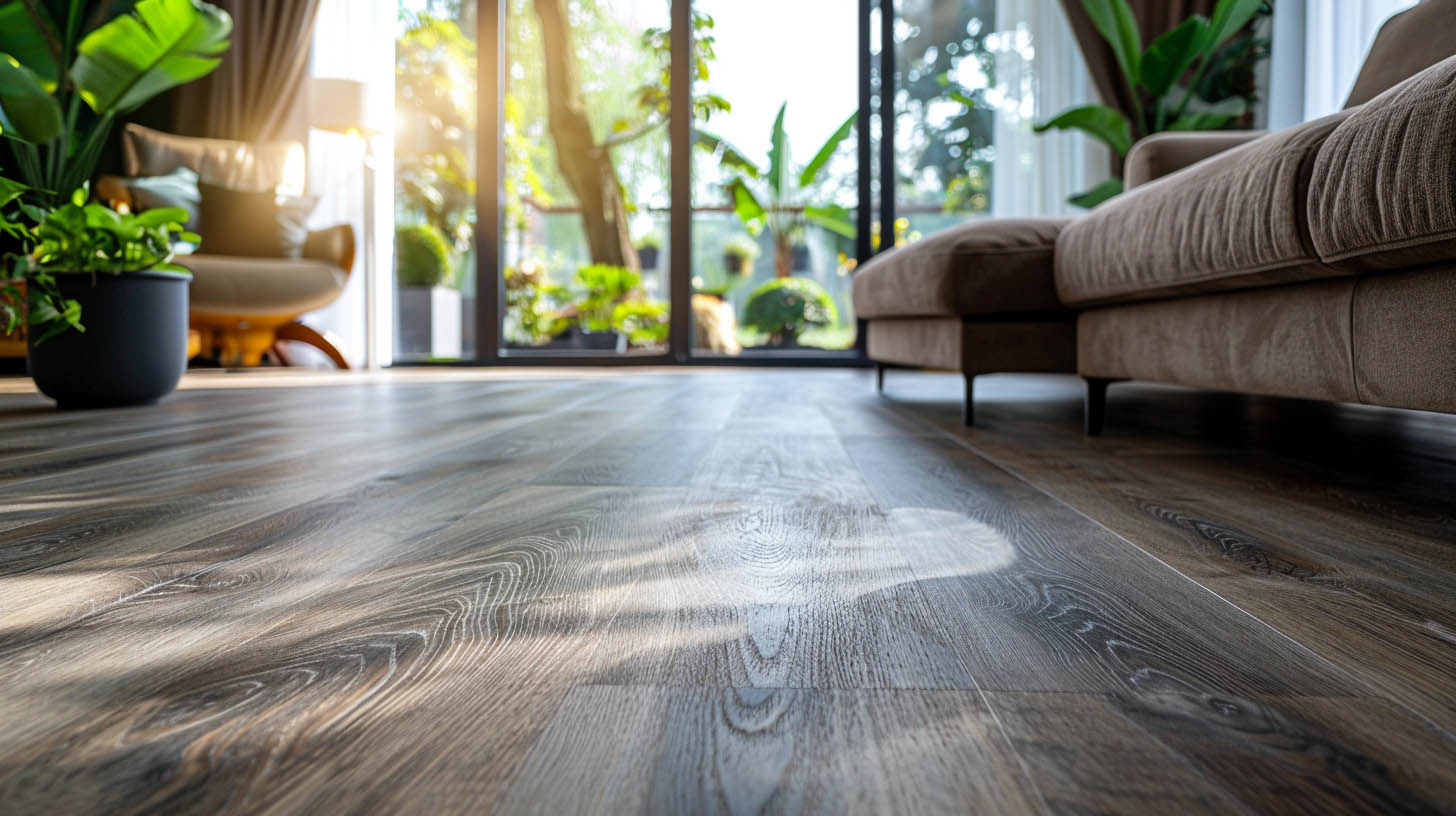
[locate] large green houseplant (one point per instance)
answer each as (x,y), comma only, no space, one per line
(62,89)
(1197,50)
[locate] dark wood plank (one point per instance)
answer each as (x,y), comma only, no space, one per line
(770,751)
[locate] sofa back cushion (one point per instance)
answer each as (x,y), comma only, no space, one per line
(1233,221)
(1383,190)
(236,165)
(1407,44)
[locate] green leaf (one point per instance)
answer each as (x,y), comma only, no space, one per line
(28,34)
(1117,25)
(160,45)
(161,216)
(1098,194)
(727,154)
(778,155)
(834,218)
(10,190)
(1098,121)
(1231,106)
(1228,17)
(28,112)
(1170,55)
(1200,121)
(827,151)
(746,206)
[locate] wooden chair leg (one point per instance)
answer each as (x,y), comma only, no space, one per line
(280,355)
(300,333)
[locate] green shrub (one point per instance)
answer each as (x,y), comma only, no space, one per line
(786,307)
(643,321)
(604,287)
(421,256)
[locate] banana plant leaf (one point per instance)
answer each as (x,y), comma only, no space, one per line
(160,45)
(26,32)
(1115,21)
(1172,54)
(1098,121)
(1098,194)
(779,163)
(811,170)
(727,154)
(1228,17)
(832,217)
(28,112)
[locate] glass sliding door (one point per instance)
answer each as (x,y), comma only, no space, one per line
(584,141)
(435,180)
(775,177)
(944,104)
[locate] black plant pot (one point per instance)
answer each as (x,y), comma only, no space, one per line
(801,258)
(576,339)
(648,257)
(133,351)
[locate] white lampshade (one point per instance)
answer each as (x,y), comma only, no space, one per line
(338,105)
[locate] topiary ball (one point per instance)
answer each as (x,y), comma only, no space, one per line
(785,308)
(421,256)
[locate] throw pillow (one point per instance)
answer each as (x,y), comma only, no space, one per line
(256,225)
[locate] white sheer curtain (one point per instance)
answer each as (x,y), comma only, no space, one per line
(354,39)
(1039,72)
(1319,46)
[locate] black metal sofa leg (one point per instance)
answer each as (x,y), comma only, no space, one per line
(968,407)
(1095,407)
(880,377)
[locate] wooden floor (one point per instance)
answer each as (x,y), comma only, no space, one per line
(715,590)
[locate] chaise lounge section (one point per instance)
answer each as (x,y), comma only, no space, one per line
(1316,262)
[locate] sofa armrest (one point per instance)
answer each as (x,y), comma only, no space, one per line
(1158,155)
(334,245)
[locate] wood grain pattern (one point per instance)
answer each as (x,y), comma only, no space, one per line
(722,591)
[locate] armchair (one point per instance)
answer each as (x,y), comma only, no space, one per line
(241,307)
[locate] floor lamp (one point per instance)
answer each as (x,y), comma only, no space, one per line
(341,106)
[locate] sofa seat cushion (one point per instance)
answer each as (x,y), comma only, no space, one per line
(1232,221)
(228,285)
(985,266)
(1383,191)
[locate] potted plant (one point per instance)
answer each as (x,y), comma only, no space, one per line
(785,308)
(106,311)
(428,307)
(779,197)
(1201,49)
(739,253)
(601,287)
(649,250)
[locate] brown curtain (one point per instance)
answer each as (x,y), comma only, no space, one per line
(1155,18)
(257,93)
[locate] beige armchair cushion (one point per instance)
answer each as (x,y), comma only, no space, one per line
(236,165)
(1233,221)
(1383,192)
(985,266)
(223,284)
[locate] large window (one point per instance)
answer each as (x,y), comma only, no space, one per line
(551,234)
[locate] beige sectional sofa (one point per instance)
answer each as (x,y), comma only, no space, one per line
(1317,261)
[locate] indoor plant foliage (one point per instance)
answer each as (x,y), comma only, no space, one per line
(61,90)
(779,197)
(739,253)
(1199,48)
(785,308)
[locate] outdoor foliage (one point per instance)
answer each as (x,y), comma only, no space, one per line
(1195,47)
(421,256)
(781,197)
(785,308)
(531,306)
